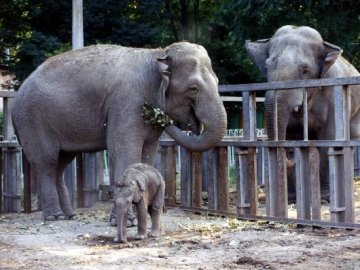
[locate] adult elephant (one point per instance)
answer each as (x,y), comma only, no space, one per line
(299,53)
(91,99)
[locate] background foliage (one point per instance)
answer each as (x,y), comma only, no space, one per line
(35,29)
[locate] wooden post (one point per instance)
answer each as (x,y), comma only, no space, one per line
(211,173)
(247,184)
(197,176)
(340,159)
(186,177)
(303,184)
(170,173)
(223,171)
(90,160)
(27,185)
(276,183)
(11,165)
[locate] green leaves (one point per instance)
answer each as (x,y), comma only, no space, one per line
(155,116)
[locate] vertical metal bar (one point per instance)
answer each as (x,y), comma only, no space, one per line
(346,111)
(80,180)
(197,176)
(305,116)
(27,185)
(282,190)
(276,130)
(303,184)
(223,177)
(242,187)
(186,177)
(70,179)
(249,115)
(11,164)
(336,172)
(77,24)
(270,180)
(314,158)
(339,124)
(170,173)
(348,182)
(213,184)
(253,181)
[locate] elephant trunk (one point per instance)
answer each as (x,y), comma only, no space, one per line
(285,106)
(121,216)
(214,120)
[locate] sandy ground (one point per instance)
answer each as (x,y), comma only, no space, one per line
(188,242)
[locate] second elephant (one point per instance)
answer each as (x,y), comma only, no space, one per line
(299,53)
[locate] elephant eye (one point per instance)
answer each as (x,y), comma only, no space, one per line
(193,90)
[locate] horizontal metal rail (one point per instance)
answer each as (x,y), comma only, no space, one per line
(289,84)
(245,143)
(316,223)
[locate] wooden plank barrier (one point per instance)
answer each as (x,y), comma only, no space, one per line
(211,167)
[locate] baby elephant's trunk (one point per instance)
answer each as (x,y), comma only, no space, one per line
(121,217)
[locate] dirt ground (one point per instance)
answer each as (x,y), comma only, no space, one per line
(189,242)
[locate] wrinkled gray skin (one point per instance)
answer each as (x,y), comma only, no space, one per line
(299,53)
(90,99)
(143,186)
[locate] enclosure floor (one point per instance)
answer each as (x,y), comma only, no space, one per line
(188,242)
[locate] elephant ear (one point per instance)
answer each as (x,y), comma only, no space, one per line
(258,52)
(164,69)
(140,180)
(332,52)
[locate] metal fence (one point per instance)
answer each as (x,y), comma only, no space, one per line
(185,187)
(309,209)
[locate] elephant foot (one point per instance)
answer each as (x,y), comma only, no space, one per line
(113,221)
(131,222)
(68,217)
(154,233)
(117,240)
(53,217)
(140,236)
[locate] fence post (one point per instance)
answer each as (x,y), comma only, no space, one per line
(11,164)
(303,183)
(211,174)
(197,176)
(223,171)
(246,181)
(170,173)
(27,185)
(340,177)
(276,182)
(186,177)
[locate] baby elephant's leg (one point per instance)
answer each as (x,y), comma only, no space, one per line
(142,220)
(155,222)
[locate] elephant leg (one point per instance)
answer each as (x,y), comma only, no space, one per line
(149,151)
(64,198)
(155,222)
(120,160)
(142,219)
(46,174)
(157,209)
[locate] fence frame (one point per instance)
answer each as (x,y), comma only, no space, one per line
(340,154)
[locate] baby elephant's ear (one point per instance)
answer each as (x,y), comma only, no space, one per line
(141,180)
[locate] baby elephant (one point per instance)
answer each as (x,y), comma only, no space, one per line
(144,186)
